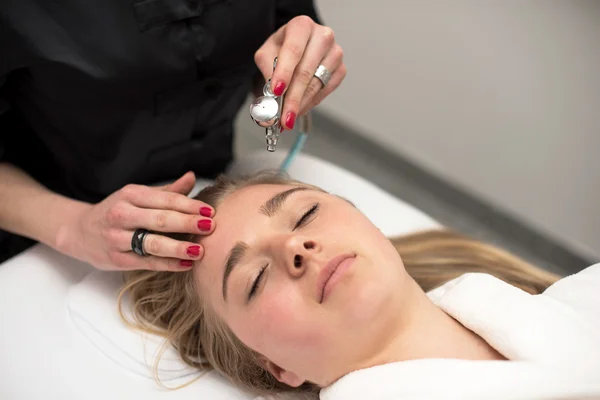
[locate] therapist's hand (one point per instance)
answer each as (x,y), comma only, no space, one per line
(300,47)
(101,233)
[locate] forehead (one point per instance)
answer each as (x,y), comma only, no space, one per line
(237,218)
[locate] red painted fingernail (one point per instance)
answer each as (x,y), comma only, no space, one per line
(185,263)
(279,88)
(193,251)
(204,224)
(205,211)
(290,119)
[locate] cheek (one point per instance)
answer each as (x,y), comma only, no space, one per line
(356,224)
(279,319)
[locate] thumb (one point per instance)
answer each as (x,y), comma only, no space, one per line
(183,185)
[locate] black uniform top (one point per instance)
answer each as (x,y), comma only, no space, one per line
(98,94)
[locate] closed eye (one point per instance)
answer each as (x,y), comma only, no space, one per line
(256,282)
(306,216)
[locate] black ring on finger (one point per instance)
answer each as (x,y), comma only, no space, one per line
(137,241)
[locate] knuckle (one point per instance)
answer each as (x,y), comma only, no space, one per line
(312,90)
(128,191)
(328,34)
(170,201)
(259,56)
(305,75)
(292,104)
(161,220)
(313,94)
(302,21)
(295,50)
(338,52)
(152,245)
(315,86)
(116,214)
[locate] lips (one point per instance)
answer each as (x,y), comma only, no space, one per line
(327,272)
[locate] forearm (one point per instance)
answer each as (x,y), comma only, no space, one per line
(29,209)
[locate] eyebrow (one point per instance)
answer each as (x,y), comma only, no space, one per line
(237,252)
(274,204)
(233,259)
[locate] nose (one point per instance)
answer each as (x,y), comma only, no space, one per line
(298,252)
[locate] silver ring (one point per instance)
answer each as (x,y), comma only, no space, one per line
(137,241)
(323,74)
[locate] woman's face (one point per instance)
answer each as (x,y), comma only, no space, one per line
(267,273)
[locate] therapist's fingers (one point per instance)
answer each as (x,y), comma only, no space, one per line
(296,36)
(336,79)
(316,53)
(333,60)
(166,247)
(159,245)
(162,246)
(131,261)
(166,221)
(183,185)
(152,198)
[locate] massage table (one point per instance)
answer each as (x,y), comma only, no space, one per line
(61,336)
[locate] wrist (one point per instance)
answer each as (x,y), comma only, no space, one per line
(29,209)
(67,236)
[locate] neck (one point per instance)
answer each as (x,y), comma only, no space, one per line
(428,332)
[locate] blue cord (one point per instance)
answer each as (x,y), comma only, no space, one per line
(296,148)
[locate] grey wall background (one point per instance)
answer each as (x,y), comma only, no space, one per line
(501,98)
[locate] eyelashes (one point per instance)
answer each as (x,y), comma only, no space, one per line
(303,220)
(256,282)
(308,214)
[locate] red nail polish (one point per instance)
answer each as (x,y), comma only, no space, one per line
(290,119)
(185,263)
(279,88)
(204,224)
(193,251)
(205,211)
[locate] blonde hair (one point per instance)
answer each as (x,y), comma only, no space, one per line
(169,304)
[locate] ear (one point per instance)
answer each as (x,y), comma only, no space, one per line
(282,375)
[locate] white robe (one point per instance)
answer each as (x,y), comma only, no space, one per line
(552,341)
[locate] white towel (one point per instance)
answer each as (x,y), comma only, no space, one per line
(552,340)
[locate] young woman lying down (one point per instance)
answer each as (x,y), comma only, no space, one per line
(299,291)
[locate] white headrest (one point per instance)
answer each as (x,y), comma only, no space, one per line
(92,305)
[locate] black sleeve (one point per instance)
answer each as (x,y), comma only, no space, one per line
(3,108)
(288,9)
(14,55)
